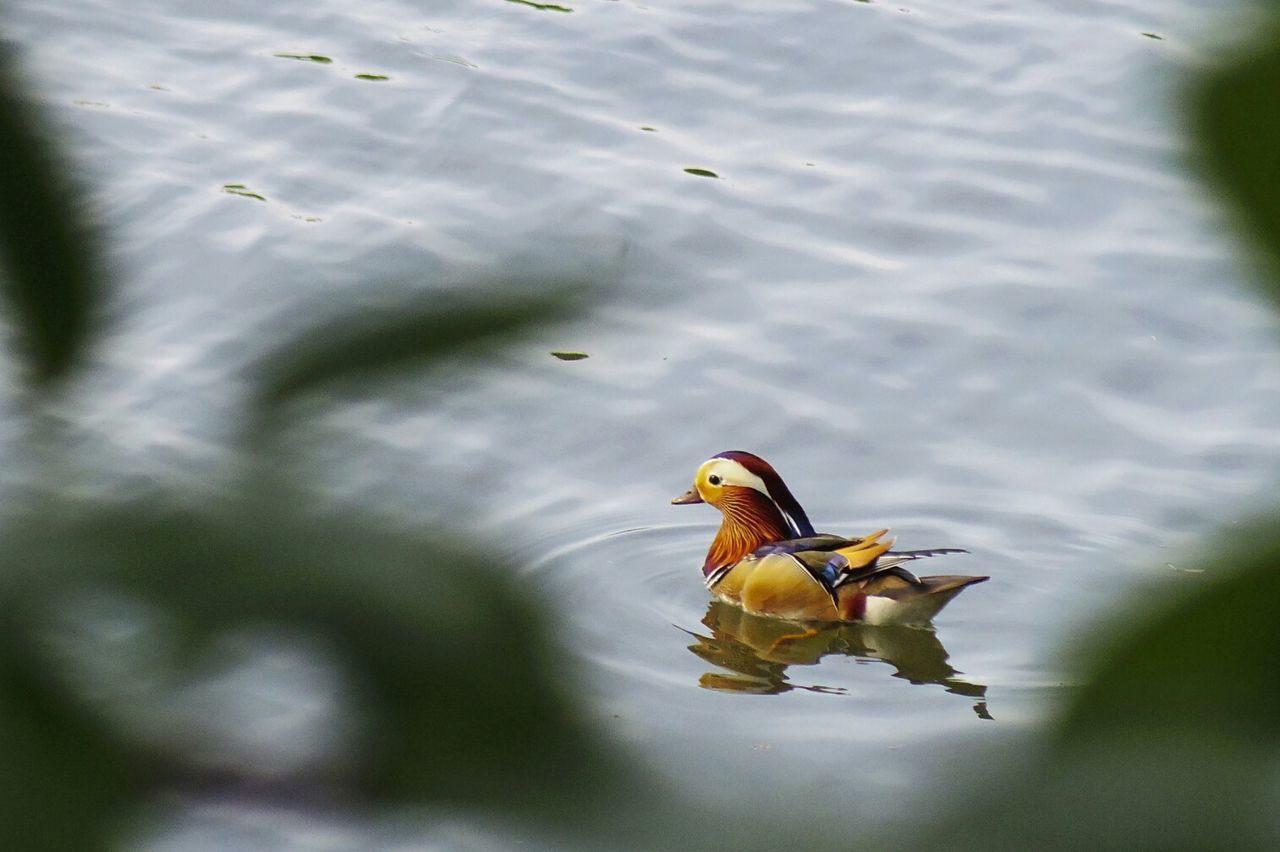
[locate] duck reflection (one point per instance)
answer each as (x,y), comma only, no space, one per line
(756,651)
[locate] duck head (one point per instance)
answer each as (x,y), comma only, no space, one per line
(757,506)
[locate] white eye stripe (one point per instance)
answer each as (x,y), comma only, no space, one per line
(733,473)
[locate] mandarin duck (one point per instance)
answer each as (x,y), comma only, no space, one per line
(768,559)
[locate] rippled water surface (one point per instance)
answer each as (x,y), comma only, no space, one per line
(948,272)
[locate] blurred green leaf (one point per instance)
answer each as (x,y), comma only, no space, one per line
(1204,665)
(49,275)
(64,781)
(1172,742)
(1133,792)
(461,685)
(355,346)
(1237,124)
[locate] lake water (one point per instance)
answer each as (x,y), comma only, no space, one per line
(951,275)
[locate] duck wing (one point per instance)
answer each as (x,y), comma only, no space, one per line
(860,559)
(821,543)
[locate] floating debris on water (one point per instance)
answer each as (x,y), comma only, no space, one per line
(1154,36)
(304,57)
(546,7)
(702,172)
(241,189)
(570,356)
(372,77)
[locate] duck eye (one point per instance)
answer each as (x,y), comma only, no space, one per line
(714,479)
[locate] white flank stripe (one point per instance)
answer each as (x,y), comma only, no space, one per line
(879,610)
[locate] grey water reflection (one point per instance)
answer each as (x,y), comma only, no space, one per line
(757,652)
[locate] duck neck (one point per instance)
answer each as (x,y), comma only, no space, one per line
(750,521)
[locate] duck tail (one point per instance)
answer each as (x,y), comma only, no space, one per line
(948,585)
(917,603)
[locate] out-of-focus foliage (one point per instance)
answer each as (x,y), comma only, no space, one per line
(452,666)
(453,676)
(1173,742)
(344,353)
(1203,668)
(65,781)
(47,251)
(1237,124)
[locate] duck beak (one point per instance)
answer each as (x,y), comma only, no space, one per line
(690,496)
